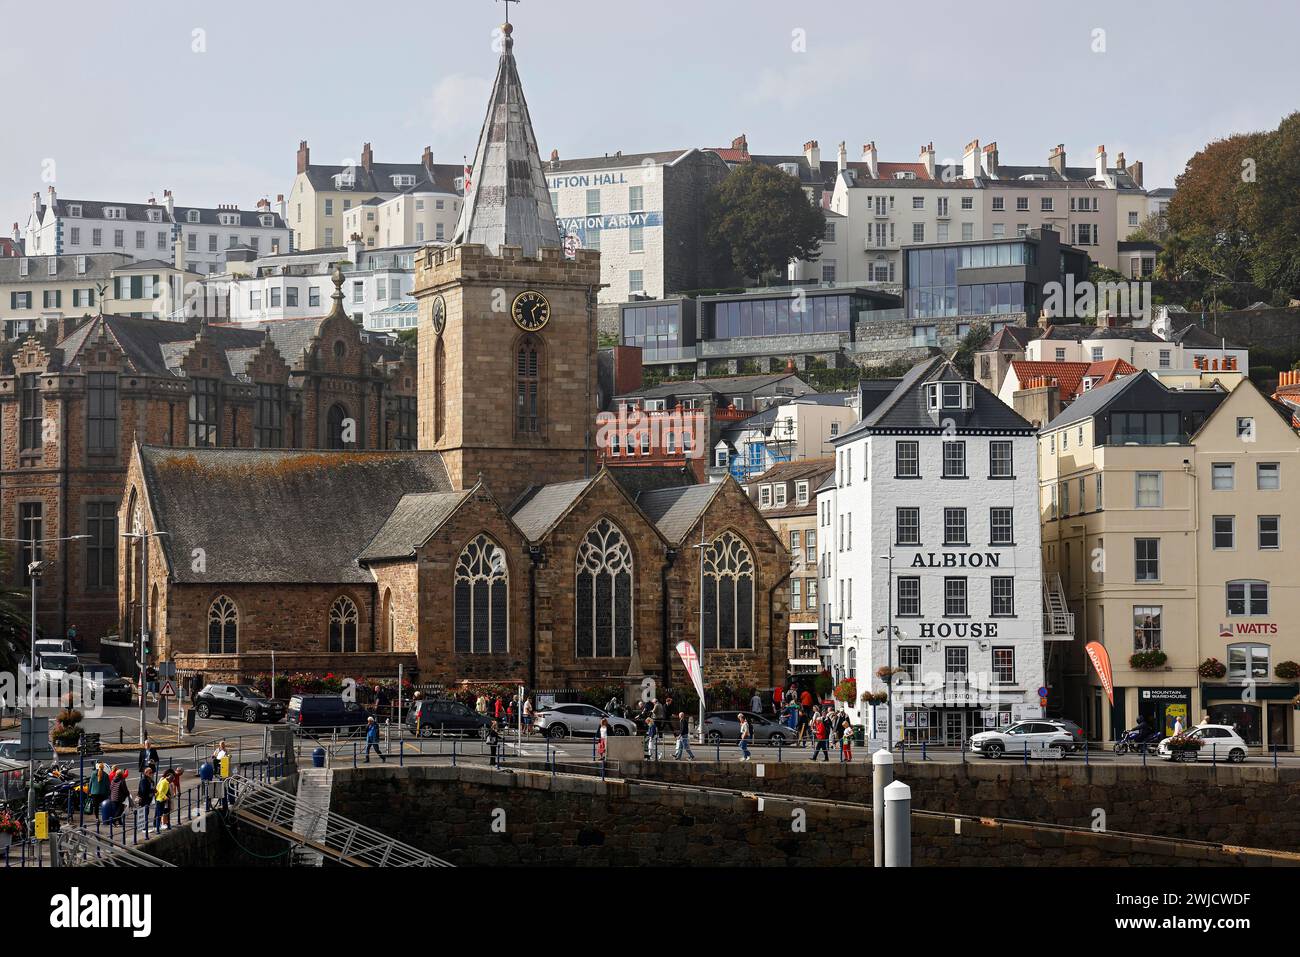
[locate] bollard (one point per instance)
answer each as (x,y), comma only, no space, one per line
(882,775)
(354,754)
(924,755)
(453,752)
(1085,752)
(1276,748)
(898,825)
(779,742)
(1026,747)
(717,748)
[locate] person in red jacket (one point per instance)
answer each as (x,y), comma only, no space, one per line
(822,732)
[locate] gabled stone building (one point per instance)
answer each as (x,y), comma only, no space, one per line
(73,403)
(499,550)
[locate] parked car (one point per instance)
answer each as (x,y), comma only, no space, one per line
(562,720)
(1075,731)
(1022,736)
(53,670)
(325,712)
(9,749)
(429,717)
(1222,743)
(237,701)
(105,685)
(725,726)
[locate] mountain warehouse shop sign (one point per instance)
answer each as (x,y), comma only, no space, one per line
(956,560)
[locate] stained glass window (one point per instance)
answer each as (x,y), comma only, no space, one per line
(728,587)
(603,597)
(223,627)
(343,625)
(481,594)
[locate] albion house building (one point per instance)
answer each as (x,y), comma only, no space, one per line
(930,559)
(499,549)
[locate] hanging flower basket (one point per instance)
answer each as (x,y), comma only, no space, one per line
(1213,668)
(874,697)
(1287,670)
(1147,660)
(847,690)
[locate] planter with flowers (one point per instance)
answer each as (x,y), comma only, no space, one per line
(1183,748)
(11,827)
(1287,670)
(873,698)
(1212,668)
(847,690)
(1147,660)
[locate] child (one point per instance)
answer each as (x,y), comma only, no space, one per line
(846,743)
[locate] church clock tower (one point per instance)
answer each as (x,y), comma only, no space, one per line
(508,321)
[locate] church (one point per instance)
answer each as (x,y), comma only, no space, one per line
(499,549)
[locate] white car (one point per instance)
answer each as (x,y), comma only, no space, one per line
(1030,736)
(1222,743)
(563,720)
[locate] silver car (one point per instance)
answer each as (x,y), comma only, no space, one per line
(725,726)
(563,720)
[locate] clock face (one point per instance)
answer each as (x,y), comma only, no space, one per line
(531,310)
(439,314)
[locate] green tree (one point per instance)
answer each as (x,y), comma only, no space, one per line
(759,218)
(971,343)
(1273,210)
(408,337)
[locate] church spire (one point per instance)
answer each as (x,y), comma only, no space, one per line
(507,202)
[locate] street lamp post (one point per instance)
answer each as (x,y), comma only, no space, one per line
(889,652)
(699,724)
(143,538)
(35,568)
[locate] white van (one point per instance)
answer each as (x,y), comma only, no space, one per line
(57,646)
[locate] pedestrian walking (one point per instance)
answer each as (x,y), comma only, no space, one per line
(821,727)
(604,737)
(846,743)
(528,716)
(1178,726)
(148,755)
(119,796)
(372,739)
(683,738)
(493,740)
(651,736)
(746,735)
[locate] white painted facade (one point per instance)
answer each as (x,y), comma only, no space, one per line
(966,665)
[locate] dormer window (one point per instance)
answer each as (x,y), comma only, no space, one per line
(460,184)
(403,179)
(192,216)
(23,266)
(74,210)
(267,220)
(949,395)
(114,212)
(155,215)
(81,265)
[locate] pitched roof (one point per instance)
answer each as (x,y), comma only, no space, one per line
(98,266)
(675,511)
(1092,401)
(413,522)
(379,178)
(1198,338)
(636,479)
(541,506)
(718,385)
(508,202)
(906,409)
(1071,376)
(615,161)
(278,517)
(1011,339)
(798,470)
(153,346)
(1081,332)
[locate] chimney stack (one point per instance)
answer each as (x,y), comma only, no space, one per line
(53,197)
(841,158)
(367,157)
(426,160)
(1135,171)
(170,201)
(813,154)
(304,156)
(1119,161)
(354,248)
(869,157)
(17,237)
(264,205)
(742,144)
(970,160)
(1101,162)
(990,161)
(1056,159)
(282,207)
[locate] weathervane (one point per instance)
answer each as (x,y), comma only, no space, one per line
(507,3)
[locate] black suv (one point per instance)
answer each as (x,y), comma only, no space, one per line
(429,718)
(105,683)
(325,712)
(237,701)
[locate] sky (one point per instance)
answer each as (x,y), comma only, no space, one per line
(118,101)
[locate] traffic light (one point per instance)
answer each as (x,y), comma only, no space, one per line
(145,640)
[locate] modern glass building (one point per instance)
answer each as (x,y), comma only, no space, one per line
(788,312)
(663,328)
(989,277)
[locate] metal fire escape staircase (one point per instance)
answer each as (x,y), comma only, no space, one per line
(307,824)
(1058,626)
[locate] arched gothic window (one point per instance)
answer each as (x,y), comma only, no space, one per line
(343,625)
(482,592)
(223,627)
(528,386)
(728,601)
(390,624)
(603,596)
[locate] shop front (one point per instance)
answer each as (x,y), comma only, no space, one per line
(1163,706)
(950,720)
(1263,714)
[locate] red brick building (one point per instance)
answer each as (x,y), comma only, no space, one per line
(75,401)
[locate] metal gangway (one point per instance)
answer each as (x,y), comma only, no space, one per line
(278,812)
(84,847)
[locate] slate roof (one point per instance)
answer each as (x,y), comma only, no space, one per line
(905,408)
(615,161)
(248,218)
(638,479)
(795,471)
(98,266)
(1196,337)
(1092,401)
(1011,339)
(291,336)
(378,179)
(153,345)
(717,385)
(1080,332)
(674,511)
(94,209)
(542,505)
(417,517)
(309,513)
(508,201)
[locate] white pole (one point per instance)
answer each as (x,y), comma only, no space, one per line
(399,684)
(898,825)
(882,775)
(144,626)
